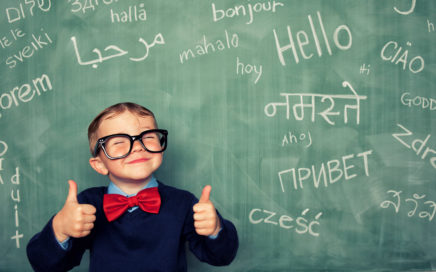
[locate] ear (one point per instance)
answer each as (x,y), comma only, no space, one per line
(98,165)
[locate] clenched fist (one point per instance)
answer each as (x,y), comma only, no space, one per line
(74,219)
(206,220)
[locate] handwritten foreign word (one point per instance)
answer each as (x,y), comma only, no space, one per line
(412,8)
(16,198)
(301,224)
(418,101)
(298,109)
(203,48)
(37,42)
(84,5)
(416,64)
(15,193)
(133,14)
(416,145)
(337,169)
(290,138)
(303,40)
(3,151)
(117,52)
(248,69)
(25,93)
(17,13)
(219,14)
(364,69)
(16,33)
(396,204)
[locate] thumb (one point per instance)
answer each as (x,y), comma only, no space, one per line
(205,195)
(72,192)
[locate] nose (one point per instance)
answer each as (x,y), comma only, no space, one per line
(137,146)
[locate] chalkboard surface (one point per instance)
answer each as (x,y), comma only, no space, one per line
(314,121)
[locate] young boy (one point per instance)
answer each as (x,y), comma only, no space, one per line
(136,223)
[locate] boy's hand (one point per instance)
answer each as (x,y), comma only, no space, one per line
(74,220)
(206,221)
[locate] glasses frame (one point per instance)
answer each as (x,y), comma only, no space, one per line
(101,142)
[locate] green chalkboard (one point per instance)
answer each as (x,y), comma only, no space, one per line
(314,121)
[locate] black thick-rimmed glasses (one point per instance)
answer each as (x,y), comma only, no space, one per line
(119,146)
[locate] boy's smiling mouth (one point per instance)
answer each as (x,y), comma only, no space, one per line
(139,160)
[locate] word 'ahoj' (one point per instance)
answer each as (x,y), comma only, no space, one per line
(337,169)
(229,41)
(303,40)
(132,14)
(241,10)
(289,139)
(114,51)
(299,108)
(416,145)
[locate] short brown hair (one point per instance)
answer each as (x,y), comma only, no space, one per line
(112,110)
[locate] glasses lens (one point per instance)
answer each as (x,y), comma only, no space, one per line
(117,146)
(154,141)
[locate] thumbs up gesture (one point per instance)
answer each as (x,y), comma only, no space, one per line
(74,219)
(206,221)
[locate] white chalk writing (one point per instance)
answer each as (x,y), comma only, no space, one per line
(132,14)
(299,108)
(204,47)
(242,69)
(289,139)
(241,10)
(337,169)
(409,100)
(25,93)
(303,40)
(407,12)
(413,203)
(116,51)
(37,42)
(301,224)
(416,145)
(85,5)
(17,13)
(390,52)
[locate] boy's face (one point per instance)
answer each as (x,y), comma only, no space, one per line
(140,164)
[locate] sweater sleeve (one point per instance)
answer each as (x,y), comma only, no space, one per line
(45,253)
(220,251)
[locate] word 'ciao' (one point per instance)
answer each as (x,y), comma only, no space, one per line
(391,52)
(303,40)
(301,224)
(115,51)
(241,10)
(337,169)
(298,109)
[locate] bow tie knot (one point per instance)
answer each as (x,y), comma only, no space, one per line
(132,201)
(114,205)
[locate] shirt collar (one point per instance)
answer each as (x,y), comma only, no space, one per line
(113,189)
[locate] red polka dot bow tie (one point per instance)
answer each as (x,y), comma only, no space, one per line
(114,205)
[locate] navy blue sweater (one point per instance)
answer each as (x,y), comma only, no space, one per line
(136,241)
